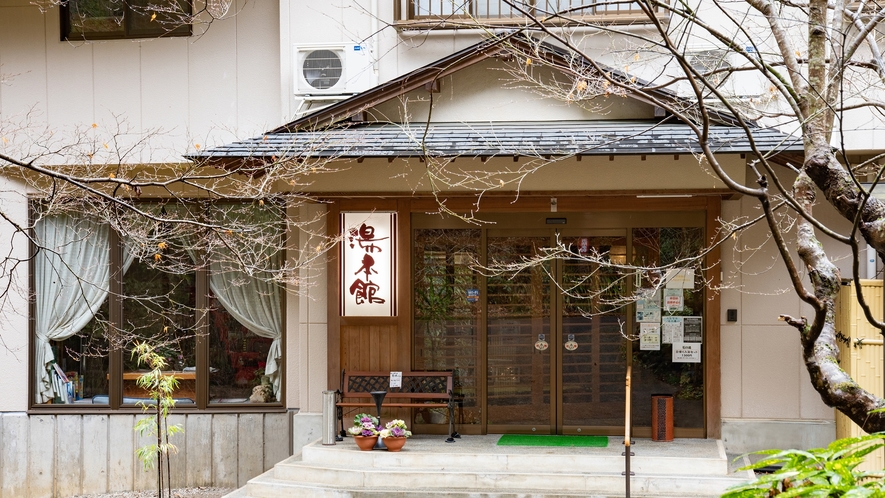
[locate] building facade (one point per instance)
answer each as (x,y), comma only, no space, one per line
(471,169)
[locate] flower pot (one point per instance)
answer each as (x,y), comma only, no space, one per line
(394,443)
(365,443)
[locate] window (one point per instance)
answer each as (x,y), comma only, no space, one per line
(115,19)
(501,11)
(96,293)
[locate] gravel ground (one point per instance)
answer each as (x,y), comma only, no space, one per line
(176,493)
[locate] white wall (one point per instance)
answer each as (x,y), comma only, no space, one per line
(207,89)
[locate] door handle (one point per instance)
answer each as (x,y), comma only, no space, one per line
(570,344)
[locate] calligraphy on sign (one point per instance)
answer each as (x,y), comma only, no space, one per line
(368,256)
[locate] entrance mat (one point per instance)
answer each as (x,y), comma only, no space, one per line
(550,440)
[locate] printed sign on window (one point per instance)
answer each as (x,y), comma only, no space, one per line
(680,279)
(367,264)
(648,308)
(686,353)
(649,337)
(671,329)
(673,300)
(693,329)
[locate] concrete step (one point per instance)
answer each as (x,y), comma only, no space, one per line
(476,468)
(502,486)
(550,460)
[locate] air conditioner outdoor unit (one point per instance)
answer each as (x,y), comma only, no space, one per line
(333,69)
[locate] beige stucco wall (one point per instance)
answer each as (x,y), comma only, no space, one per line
(766,390)
(487,92)
(306,317)
(591,173)
(207,89)
(13,299)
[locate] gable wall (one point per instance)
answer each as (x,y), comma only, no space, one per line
(487,92)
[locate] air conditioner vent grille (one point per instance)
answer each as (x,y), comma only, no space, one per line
(322,69)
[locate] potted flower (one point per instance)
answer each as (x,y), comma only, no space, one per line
(364,431)
(394,434)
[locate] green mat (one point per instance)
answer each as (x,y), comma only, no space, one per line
(545,440)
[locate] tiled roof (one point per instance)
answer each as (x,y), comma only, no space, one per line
(556,138)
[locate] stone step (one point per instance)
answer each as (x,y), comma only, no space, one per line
(495,485)
(467,479)
(476,467)
(611,462)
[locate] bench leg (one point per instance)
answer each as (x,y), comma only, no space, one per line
(341,424)
(452,433)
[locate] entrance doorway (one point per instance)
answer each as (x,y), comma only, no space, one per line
(544,347)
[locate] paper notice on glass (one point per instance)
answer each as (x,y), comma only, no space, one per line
(673,300)
(680,279)
(649,337)
(648,309)
(396,379)
(693,329)
(686,353)
(671,329)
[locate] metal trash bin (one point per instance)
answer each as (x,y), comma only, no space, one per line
(329,417)
(662,417)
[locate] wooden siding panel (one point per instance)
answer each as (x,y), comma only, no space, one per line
(121,454)
(14,454)
(95,444)
(69,463)
(224,450)
(198,440)
(41,458)
(143,478)
(178,460)
(276,439)
(250,430)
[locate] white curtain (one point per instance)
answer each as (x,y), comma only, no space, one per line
(71,273)
(254,301)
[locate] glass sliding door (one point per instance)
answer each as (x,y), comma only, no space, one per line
(542,345)
(519,389)
(681,294)
(593,356)
(447,314)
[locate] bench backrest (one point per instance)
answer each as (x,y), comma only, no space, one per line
(417,385)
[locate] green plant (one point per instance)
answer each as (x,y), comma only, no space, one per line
(364,425)
(160,388)
(395,428)
(820,472)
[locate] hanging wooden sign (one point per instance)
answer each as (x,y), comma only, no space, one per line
(368,264)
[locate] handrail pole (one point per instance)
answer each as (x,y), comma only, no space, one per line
(627,429)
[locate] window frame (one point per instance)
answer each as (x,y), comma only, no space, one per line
(115,355)
(406,17)
(127,30)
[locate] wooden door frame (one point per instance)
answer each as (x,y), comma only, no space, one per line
(539,204)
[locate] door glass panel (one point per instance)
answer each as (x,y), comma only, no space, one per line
(518,328)
(594,360)
(447,311)
(655,372)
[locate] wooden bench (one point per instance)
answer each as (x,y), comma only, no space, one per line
(419,390)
